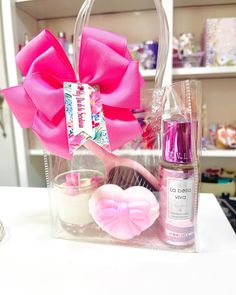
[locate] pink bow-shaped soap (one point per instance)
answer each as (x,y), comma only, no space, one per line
(104,61)
(123,214)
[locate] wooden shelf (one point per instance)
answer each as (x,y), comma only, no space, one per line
(205,153)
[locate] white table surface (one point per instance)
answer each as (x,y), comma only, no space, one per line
(32,263)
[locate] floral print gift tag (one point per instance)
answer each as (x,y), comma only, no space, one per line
(84,116)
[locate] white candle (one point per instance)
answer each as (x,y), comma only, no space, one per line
(73,196)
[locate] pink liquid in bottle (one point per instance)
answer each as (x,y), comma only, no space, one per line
(178,177)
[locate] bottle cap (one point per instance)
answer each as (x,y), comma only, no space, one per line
(177,140)
(61,34)
(150,42)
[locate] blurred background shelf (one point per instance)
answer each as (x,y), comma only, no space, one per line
(64,8)
(205,153)
(204,72)
(184,3)
(218,84)
(124,152)
(148,74)
(219,153)
(195,73)
(46,9)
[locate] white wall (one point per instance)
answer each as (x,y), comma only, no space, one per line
(8,171)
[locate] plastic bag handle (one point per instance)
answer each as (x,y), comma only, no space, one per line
(83,18)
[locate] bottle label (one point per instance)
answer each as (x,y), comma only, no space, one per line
(179,235)
(180,198)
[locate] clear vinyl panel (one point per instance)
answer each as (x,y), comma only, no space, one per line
(144,195)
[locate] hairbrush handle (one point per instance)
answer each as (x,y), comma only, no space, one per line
(98,151)
(110,161)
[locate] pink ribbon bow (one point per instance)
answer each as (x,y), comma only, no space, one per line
(124,220)
(136,212)
(104,61)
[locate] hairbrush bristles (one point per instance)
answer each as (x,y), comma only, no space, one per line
(126,177)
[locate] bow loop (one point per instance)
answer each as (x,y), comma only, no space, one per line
(21,105)
(52,63)
(116,42)
(46,93)
(106,72)
(52,133)
(36,48)
(125,94)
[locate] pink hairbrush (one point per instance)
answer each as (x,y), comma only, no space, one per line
(123,214)
(121,171)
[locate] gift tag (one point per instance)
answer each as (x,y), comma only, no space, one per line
(84,116)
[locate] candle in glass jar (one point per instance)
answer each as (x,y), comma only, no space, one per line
(74,193)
